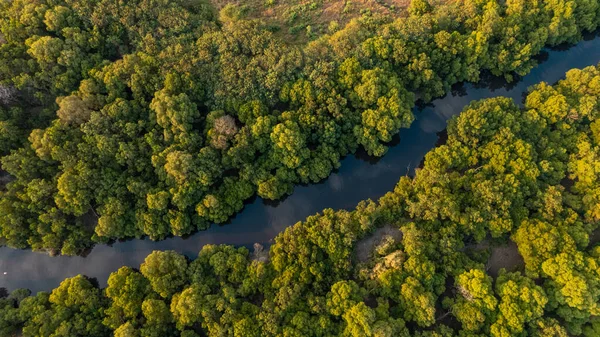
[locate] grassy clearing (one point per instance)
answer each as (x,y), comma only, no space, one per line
(300,21)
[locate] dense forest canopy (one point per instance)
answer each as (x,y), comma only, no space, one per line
(155,118)
(506,174)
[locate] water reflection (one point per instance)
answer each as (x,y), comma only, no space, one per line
(360,177)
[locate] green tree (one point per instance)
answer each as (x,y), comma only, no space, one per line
(166,272)
(475,304)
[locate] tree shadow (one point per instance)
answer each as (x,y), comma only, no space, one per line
(361,153)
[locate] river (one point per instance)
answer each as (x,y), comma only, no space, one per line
(358,178)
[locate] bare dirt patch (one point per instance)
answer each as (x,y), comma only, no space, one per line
(364,248)
(506,257)
(595,237)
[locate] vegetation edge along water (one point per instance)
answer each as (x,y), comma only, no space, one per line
(160,118)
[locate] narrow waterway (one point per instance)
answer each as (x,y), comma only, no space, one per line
(358,178)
